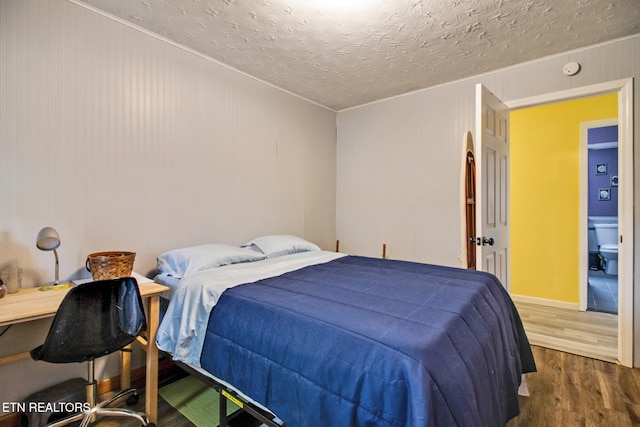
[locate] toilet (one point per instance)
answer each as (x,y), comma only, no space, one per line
(607,239)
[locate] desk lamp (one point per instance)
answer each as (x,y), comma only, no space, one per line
(49,240)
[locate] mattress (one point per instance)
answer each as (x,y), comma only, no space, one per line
(355,341)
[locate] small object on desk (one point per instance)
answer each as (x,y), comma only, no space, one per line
(12,279)
(110,265)
(3,289)
(49,240)
(61,286)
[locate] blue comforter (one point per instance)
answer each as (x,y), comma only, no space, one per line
(369,342)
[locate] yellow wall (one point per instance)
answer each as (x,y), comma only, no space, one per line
(544,195)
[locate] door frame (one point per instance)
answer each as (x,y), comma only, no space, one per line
(624,89)
(583,240)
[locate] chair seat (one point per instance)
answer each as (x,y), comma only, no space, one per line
(94,319)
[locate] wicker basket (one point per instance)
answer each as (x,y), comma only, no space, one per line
(110,265)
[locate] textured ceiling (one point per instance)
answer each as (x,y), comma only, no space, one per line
(341,53)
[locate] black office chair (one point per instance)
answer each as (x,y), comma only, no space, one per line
(95,319)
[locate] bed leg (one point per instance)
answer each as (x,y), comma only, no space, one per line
(223,410)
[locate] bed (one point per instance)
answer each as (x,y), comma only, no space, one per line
(323,338)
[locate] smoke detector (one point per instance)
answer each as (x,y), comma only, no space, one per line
(571,69)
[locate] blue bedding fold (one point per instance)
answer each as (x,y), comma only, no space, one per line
(368,342)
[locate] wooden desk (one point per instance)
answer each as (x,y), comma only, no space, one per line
(32,304)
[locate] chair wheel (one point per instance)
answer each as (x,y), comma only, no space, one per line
(133,399)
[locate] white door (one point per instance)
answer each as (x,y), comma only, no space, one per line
(492,192)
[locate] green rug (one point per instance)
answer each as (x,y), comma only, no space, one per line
(198,402)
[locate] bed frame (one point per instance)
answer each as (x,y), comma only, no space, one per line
(247,409)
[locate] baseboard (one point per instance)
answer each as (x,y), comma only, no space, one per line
(543,301)
(104,386)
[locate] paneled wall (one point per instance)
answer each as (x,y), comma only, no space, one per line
(123,141)
(398,174)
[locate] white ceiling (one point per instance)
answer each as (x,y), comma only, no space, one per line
(341,53)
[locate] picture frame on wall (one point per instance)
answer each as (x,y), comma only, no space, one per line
(601,168)
(604,194)
(614,180)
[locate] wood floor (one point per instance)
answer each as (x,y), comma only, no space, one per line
(568,390)
(585,333)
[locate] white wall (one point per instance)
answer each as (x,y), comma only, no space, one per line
(398,175)
(123,141)
(399,159)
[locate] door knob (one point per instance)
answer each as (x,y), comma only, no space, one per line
(488,241)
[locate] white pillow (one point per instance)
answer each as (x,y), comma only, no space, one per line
(281,244)
(182,262)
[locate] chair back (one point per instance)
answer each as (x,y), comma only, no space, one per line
(94,319)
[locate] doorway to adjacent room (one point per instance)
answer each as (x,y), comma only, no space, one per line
(624,91)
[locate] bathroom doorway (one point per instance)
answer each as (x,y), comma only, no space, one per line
(600,140)
(624,91)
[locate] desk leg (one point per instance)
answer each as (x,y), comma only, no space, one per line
(125,367)
(151,393)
